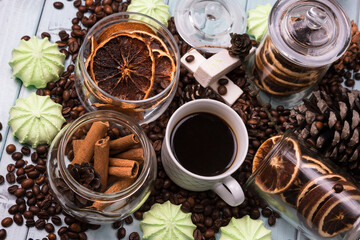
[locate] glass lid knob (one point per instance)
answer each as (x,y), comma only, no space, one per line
(316,17)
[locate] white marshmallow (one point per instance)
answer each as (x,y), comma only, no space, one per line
(233,91)
(192,66)
(215,67)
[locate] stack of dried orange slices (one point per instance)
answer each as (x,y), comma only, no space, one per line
(307,184)
(130,62)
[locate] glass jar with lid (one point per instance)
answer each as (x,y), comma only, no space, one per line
(310,192)
(303,40)
(80,201)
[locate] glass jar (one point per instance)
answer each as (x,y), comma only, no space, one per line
(304,38)
(94,98)
(310,192)
(119,204)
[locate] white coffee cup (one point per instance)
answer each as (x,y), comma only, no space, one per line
(223,184)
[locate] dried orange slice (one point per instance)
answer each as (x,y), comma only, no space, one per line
(164,68)
(282,169)
(338,214)
(263,150)
(123,27)
(124,67)
(320,167)
(154,41)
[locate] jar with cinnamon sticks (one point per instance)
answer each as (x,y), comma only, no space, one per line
(101,167)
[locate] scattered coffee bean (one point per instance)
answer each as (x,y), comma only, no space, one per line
(75,228)
(222,90)
(46,35)
(7,222)
(16,156)
(25,150)
(28,215)
(30,223)
(10,178)
(271,220)
(26,38)
(2,179)
(27,183)
(223,81)
(58,5)
(10,167)
(255,213)
(51,236)
(10,148)
(121,233)
(56,220)
(129,220)
(18,219)
(49,228)
(40,224)
(2,234)
(13,209)
(134,236)
(117,224)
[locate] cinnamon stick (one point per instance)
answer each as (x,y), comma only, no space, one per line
(101,160)
(76,145)
(123,168)
(86,150)
(123,144)
(133,154)
(116,187)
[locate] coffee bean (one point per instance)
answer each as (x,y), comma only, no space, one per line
(7,222)
(19,163)
(20,178)
(58,5)
(12,189)
(27,183)
(13,209)
(69,220)
(190,58)
(33,174)
(25,150)
(62,231)
(20,201)
(117,224)
(266,212)
(2,179)
(129,220)
(10,167)
(255,213)
(222,90)
(34,209)
(271,220)
(34,157)
(134,236)
(138,215)
(338,188)
(43,214)
(31,201)
(56,220)
(16,156)
(121,233)
(51,236)
(75,227)
(41,149)
(40,224)
(49,228)
(223,81)
(2,234)
(10,148)
(28,215)
(18,219)
(349,82)
(10,178)
(22,208)
(209,233)
(46,35)
(30,223)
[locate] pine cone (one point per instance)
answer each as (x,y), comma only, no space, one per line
(332,125)
(240,45)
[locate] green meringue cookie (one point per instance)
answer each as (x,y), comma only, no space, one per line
(35,119)
(37,62)
(153,8)
(167,221)
(258,21)
(245,229)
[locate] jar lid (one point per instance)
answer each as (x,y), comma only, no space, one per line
(310,33)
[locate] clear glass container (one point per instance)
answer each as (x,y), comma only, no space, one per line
(308,190)
(94,98)
(119,204)
(303,39)
(209,22)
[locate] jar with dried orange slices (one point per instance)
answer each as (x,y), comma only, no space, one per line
(128,65)
(311,193)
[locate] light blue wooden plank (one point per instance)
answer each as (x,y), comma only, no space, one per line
(16,21)
(351,7)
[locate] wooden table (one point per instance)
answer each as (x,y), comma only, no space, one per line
(32,17)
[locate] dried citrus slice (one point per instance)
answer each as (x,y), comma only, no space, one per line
(263,150)
(317,197)
(282,169)
(338,214)
(317,181)
(124,67)
(164,68)
(123,27)
(154,41)
(323,168)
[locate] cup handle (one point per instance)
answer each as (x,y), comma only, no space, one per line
(230,191)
